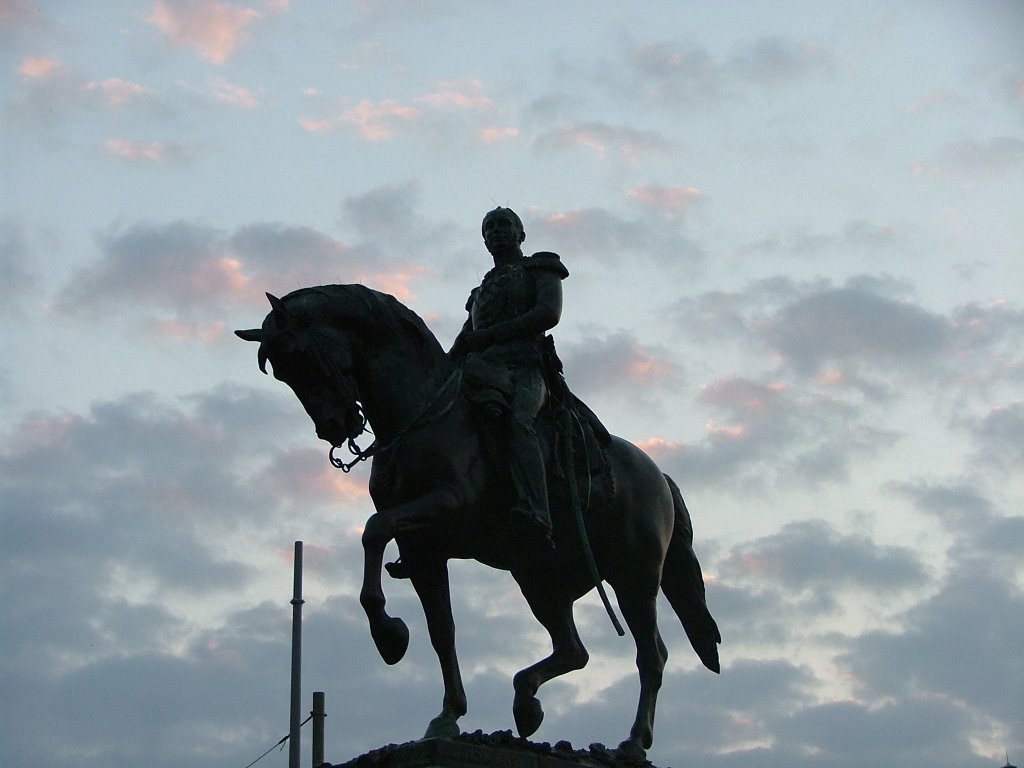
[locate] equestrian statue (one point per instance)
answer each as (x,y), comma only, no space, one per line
(483,453)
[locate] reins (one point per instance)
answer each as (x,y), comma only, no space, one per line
(420,421)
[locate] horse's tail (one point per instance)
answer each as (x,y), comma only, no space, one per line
(683,585)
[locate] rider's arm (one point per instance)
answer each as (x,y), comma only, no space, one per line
(542,316)
(461,345)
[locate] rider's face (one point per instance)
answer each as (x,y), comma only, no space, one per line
(501,233)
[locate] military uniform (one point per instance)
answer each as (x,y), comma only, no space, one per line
(508,375)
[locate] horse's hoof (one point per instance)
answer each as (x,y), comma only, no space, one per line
(391,637)
(631,752)
(528,714)
(443,727)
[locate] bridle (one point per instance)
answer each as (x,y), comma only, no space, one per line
(334,371)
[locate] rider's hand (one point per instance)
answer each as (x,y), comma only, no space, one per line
(476,341)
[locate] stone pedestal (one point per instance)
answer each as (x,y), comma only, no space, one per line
(495,750)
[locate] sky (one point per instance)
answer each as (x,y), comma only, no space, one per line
(796,264)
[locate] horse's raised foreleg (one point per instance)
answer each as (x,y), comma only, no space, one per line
(554,610)
(390,634)
(641,616)
(431,583)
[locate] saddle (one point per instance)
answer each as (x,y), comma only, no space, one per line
(488,388)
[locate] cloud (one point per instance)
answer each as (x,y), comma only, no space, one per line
(858,237)
(387,219)
(674,73)
(373,121)
(494,134)
(777,61)
(605,237)
(467,95)
(188,269)
(974,159)
(215,30)
(377,121)
(619,364)
(40,67)
(18,272)
(116,91)
(669,200)
(146,152)
(860,334)
(234,95)
(959,645)
(770,432)
(603,140)
(49,92)
(854,323)
(812,555)
(1000,434)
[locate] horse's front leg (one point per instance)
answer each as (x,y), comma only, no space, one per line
(390,634)
(430,580)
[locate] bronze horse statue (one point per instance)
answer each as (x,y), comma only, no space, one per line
(354,356)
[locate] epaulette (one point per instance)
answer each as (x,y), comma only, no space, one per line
(472,298)
(549,261)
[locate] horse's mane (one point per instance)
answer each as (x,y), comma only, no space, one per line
(374,307)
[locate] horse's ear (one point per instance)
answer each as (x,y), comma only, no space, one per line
(253,334)
(281,314)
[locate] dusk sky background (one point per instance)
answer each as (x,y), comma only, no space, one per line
(796,246)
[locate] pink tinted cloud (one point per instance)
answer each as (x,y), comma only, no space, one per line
(177,330)
(668,199)
(376,121)
(496,135)
(115,91)
(396,283)
(235,95)
(143,152)
(215,30)
(459,95)
(39,67)
(302,476)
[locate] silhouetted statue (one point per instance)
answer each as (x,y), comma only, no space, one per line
(516,303)
(444,488)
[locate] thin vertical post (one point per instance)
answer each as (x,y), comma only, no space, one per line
(296,714)
(318,713)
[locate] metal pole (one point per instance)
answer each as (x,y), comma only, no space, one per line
(318,714)
(296,714)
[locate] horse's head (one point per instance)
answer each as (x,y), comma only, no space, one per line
(313,357)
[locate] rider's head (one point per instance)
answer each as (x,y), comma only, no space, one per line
(502,230)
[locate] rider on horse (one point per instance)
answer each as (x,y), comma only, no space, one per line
(501,348)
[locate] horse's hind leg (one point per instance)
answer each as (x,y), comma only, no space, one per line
(554,611)
(641,615)
(431,584)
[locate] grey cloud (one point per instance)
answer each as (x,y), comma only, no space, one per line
(775,61)
(813,555)
(867,334)
(907,732)
(188,268)
(963,643)
(17,271)
(1000,435)
(598,235)
(773,433)
(178,263)
(857,236)
(993,157)
(685,73)
(619,364)
(388,218)
(854,323)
